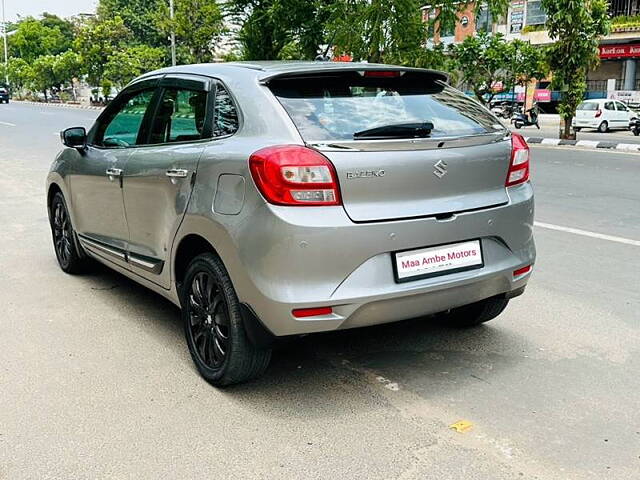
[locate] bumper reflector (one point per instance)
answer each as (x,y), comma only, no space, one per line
(312,312)
(522,271)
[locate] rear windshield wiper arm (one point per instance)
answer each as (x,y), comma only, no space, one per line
(398,130)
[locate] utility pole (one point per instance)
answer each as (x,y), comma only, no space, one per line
(6,53)
(173,34)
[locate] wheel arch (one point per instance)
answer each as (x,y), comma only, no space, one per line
(51,192)
(189,247)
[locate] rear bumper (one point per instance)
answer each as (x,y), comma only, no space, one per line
(595,123)
(300,258)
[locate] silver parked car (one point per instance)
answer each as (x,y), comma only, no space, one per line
(277,199)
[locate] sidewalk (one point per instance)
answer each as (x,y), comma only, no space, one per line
(59,105)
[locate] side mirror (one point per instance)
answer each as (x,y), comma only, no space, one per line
(75,137)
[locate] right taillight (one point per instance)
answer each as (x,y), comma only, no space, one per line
(295,175)
(598,113)
(519,165)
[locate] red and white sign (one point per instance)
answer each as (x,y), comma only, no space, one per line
(436,260)
(620,51)
(540,95)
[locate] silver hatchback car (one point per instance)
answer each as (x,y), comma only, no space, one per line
(274,199)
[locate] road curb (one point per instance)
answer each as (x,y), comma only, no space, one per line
(556,142)
(59,105)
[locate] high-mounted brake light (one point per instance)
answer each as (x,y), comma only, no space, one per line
(519,165)
(598,113)
(295,175)
(382,73)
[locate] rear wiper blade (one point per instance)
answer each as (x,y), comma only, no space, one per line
(398,130)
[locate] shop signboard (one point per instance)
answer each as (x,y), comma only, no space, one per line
(631,50)
(540,96)
(516,17)
(630,97)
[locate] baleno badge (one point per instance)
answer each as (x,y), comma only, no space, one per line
(365,174)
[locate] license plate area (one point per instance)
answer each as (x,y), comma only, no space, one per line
(416,264)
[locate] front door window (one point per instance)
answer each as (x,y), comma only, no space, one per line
(122,128)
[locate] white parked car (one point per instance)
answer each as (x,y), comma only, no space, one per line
(602,114)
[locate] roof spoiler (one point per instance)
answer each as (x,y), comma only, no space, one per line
(337,67)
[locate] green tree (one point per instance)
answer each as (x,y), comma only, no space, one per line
(67,66)
(198,25)
(33,39)
(280,29)
(139,16)
(125,65)
(393,31)
(485,61)
(98,40)
(42,75)
(379,30)
(576,27)
(65,27)
(19,73)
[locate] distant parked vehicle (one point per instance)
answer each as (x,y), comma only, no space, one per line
(503,109)
(526,119)
(603,115)
(4,95)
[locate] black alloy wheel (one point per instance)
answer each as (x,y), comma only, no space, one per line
(208,320)
(62,234)
(68,252)
(214,326)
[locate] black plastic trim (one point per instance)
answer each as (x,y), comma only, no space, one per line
(259,335)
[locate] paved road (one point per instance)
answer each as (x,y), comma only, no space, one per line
(96,381)
(547,131)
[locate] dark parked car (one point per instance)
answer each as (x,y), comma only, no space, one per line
(4,95)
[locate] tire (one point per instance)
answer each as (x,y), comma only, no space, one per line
(603,127)
(65,241)
(518,125)
(213,325)
(476,313)
(636,131)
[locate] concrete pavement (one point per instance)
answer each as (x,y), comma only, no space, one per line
(96,380)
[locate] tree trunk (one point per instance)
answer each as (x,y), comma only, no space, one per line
(565,129)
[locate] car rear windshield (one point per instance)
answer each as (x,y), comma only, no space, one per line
(588,106)
(336,106)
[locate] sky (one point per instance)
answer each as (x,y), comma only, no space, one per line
(63,8)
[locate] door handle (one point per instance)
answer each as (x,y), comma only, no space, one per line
(177,173)
(114,172)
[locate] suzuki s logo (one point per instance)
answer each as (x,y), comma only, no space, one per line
(440,169)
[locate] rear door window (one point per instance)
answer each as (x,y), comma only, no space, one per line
(180,116)
(589,106)
(225,114)
(609,106)
(336,106)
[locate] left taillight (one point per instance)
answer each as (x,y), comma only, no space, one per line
(295,175)
(519,165)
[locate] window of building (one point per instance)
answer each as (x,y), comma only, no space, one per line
(535,13)
(483,19)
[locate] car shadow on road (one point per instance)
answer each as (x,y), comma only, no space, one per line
(327,367)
